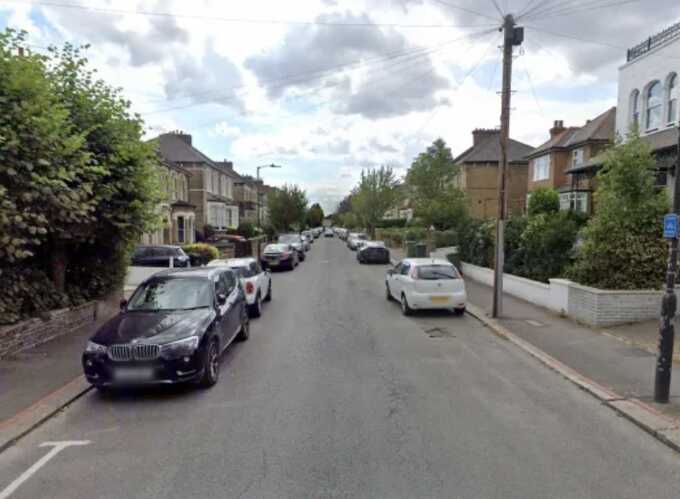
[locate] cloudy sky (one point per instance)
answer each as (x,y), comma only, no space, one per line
(328,87)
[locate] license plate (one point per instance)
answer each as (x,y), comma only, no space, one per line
(133,374)
(273,260)
(439,299)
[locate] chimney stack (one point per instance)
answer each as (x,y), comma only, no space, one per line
(480,133)
(558,128)
(185,137)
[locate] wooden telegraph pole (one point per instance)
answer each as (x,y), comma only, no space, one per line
(513,36)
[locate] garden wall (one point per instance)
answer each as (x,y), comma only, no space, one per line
(33,332)
(592,306)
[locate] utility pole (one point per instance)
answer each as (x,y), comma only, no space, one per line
(669,303)
(512,36)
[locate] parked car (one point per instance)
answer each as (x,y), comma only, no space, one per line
(328,233)
(160,256)
(280,256)
(426,283)
(373,252)
(256,281)
(307,239)
(296,241)
(173,330)
(353,238)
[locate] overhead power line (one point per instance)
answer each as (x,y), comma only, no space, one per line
(235,20)
(498,7)
(575,8)
(302,77)
(405,57)
(465,9)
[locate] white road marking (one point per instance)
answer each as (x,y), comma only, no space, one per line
(57,447)
(534,323)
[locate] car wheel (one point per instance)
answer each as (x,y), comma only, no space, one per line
(244,334)
(269,293)
(388,293)
(459,311)
(255,310)
(405,308)
(211,365)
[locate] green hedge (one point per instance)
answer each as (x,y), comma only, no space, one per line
(390,224)
(201,253)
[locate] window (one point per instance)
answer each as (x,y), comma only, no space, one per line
(672,99)
(635,108)
(542,168)
(405,267)
(216,183)
(577,157)
(181,230)
(654,105)
(579,200)
(217,216)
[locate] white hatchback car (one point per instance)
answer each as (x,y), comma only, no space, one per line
(426,283)
(257,282)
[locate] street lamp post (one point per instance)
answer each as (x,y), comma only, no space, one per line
(257,187)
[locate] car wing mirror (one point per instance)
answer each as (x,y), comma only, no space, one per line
(123,303)
(221,298)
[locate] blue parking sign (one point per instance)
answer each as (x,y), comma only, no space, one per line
(670,226)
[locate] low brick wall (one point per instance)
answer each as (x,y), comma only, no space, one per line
(33,332)
(602,307)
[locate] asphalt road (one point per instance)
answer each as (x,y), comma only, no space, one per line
(337,395)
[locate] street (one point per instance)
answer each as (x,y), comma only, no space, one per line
(336,394)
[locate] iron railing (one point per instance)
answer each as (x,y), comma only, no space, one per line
(654,41)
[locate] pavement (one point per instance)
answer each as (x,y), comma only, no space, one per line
(336,394)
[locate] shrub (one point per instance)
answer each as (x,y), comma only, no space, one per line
(514,254)
(389,224)
(543,200)
(622,245)
(247,230)
(447,238)
(27,293)
(477,242)
(415,234)
(201,253)
(546,245)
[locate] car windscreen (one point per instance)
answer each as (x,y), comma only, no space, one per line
(276,248)
(436,272)
(172,294)
(289,238)
(243,271)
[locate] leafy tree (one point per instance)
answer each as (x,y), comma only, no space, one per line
(315,215)
(287,207)
(544,200)
(247,230)
(375,194)
(622,245)
(431,180)
(79,186)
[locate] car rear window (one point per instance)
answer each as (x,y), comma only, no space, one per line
(276,248)
(436,272)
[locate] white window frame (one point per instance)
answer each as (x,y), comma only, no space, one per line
(541,168)
(181,229)
(577,156)
(653,111)
(672,99)
(581,201)
(635,108)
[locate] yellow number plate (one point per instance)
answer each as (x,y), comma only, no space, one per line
(439,299)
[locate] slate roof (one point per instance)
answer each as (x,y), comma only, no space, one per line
(175,149)
(600,129)
(488,150)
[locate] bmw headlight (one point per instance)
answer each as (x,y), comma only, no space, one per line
(93,347)
(181,348)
